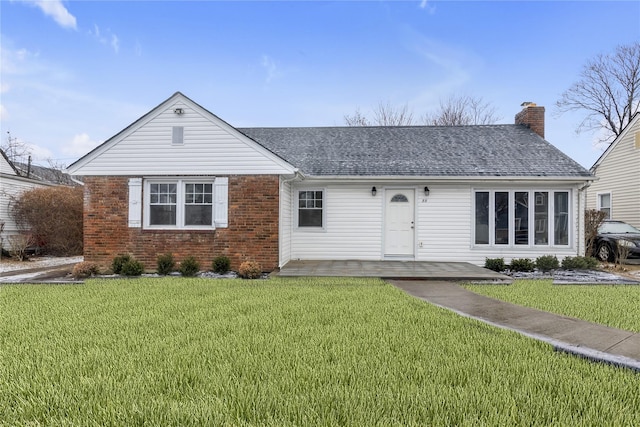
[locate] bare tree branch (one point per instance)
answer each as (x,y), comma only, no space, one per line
(387,115)
(608,90)
(17,151)
(456,110)
(384,114)
(356,119)
(462,110)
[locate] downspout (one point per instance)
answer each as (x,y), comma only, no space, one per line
(297,175)
(582,203)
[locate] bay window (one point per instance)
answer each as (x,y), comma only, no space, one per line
(521,218)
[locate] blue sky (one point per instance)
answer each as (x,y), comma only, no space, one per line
(75,73)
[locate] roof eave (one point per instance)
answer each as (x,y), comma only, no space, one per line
(368,178)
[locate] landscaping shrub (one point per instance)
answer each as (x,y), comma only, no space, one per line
(189,267)
(579,263)
(166,264)
(592,220)
(132,268)
(547,262)
(250,270)
(84,269)
(19,245)
(53,215)
(118,262)
(221,264)
(495,264)
(522,264)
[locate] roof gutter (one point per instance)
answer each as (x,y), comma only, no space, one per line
(297,176)
(586,179)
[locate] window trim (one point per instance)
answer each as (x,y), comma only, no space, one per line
(551,218)
(180,202)
(297,209)
(599,202)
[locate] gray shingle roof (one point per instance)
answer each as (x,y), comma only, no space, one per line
(483,151)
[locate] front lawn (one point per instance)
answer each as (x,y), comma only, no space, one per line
(175,351)
(617,306)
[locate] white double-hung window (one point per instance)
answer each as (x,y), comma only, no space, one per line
(310,205)
(604,204)
(184,203)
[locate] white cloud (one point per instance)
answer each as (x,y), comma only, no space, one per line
(14,61)
(115,43)
(56,10)
(39,154)
(80,145)
(431,9)
(270,67)
(109,39)
(4,114)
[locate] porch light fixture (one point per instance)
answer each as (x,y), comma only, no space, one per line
(373,191)
(178,111)
(426,191)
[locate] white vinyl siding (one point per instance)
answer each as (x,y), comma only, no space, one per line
(444,223)
(209,147)
(11,186)
(286,223)
(619,174)
(444,226)
(353,226)
(5,167)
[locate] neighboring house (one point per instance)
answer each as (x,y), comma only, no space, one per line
(181,180)
(617,189)
(50,175)
(12,184)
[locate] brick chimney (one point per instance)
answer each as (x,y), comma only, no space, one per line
(531,116)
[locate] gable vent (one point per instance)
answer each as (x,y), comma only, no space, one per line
(177,136)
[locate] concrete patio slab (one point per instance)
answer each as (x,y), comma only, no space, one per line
(456,271)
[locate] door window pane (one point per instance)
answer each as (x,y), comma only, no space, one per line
(521,217)
(501,218)
(561,218)
(482,218)
(541,218)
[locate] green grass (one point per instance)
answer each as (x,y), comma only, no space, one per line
(282,352)
(612,305)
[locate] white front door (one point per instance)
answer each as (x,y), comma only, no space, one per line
(399,223)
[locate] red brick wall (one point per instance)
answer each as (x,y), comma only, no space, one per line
(252,233)
(532,116)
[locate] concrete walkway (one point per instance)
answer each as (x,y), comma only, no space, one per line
(37,274)
(586,339)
